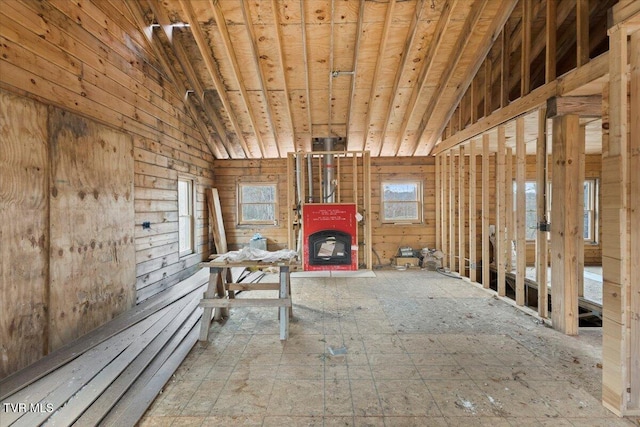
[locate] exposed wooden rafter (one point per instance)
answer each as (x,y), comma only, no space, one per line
(263,83)
(457,52)
(221,24)
(490,37)
(192,78)
(212,69)
(352,87)
(376,73)
(287,95)
(305,57)
(413,31)
(155,46)
(430,57)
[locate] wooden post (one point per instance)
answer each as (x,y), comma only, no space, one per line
(542,247)
(634,220)
(486,244)
(501,213)
(525,50)
(504,67)
(291,198)
(521,248)
(582,32)
(473,251)
(366,183)
(461,214)
(615,269)
(620,212)
(550,37)
(581,168)
(509,209)
(567,223)
(438,204)
(452,210)
(444,209)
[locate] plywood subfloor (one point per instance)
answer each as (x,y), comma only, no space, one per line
(421,349)
(592,282)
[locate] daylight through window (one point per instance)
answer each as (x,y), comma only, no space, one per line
(402,202)
(186,222)
(257,203)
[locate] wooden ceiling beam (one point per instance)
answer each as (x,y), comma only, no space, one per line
(246,13)
(221,25)
(490,37)
(331,47)
(525,48)
(583,106)
(276,20)
(413,31)
(430,57)
(192,79)
(376,73)
(305,57)
(352,88)
(457,52)
(156,47)
(212,68)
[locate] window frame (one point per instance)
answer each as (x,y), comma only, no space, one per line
(419,201)
(241,221)
(190,247)
(592,236)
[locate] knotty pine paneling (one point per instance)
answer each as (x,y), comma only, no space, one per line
(84,59)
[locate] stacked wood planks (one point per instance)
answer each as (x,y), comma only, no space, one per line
(111,375)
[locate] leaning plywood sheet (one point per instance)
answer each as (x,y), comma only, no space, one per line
(92,255)
(23,229)
(215,216)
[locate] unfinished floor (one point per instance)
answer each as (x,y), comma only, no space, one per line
(422,349)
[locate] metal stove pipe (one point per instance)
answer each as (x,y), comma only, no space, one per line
(328,184)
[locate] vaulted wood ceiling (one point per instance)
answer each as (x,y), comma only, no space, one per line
(269,76)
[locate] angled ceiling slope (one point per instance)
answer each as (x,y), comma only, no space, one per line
(269,76)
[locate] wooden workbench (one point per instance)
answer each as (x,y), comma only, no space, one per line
(220,295)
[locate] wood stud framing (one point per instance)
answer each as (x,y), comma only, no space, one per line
(542,259)
(486,214)
(501,213)
(521,248)
(567,223)
(461,213)
(472,213)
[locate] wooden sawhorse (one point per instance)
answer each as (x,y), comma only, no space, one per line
(221,295)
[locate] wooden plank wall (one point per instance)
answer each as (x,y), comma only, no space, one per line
(228,174)
(386,238)
(87,58)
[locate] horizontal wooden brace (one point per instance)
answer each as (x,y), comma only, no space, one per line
(583,106)
(245,302)
(253,286)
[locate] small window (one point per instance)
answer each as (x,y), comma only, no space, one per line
(186,220)
(402,202)
(531,213)
(257,203)
(590,211)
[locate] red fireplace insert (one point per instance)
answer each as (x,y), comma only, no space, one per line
(330,234)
